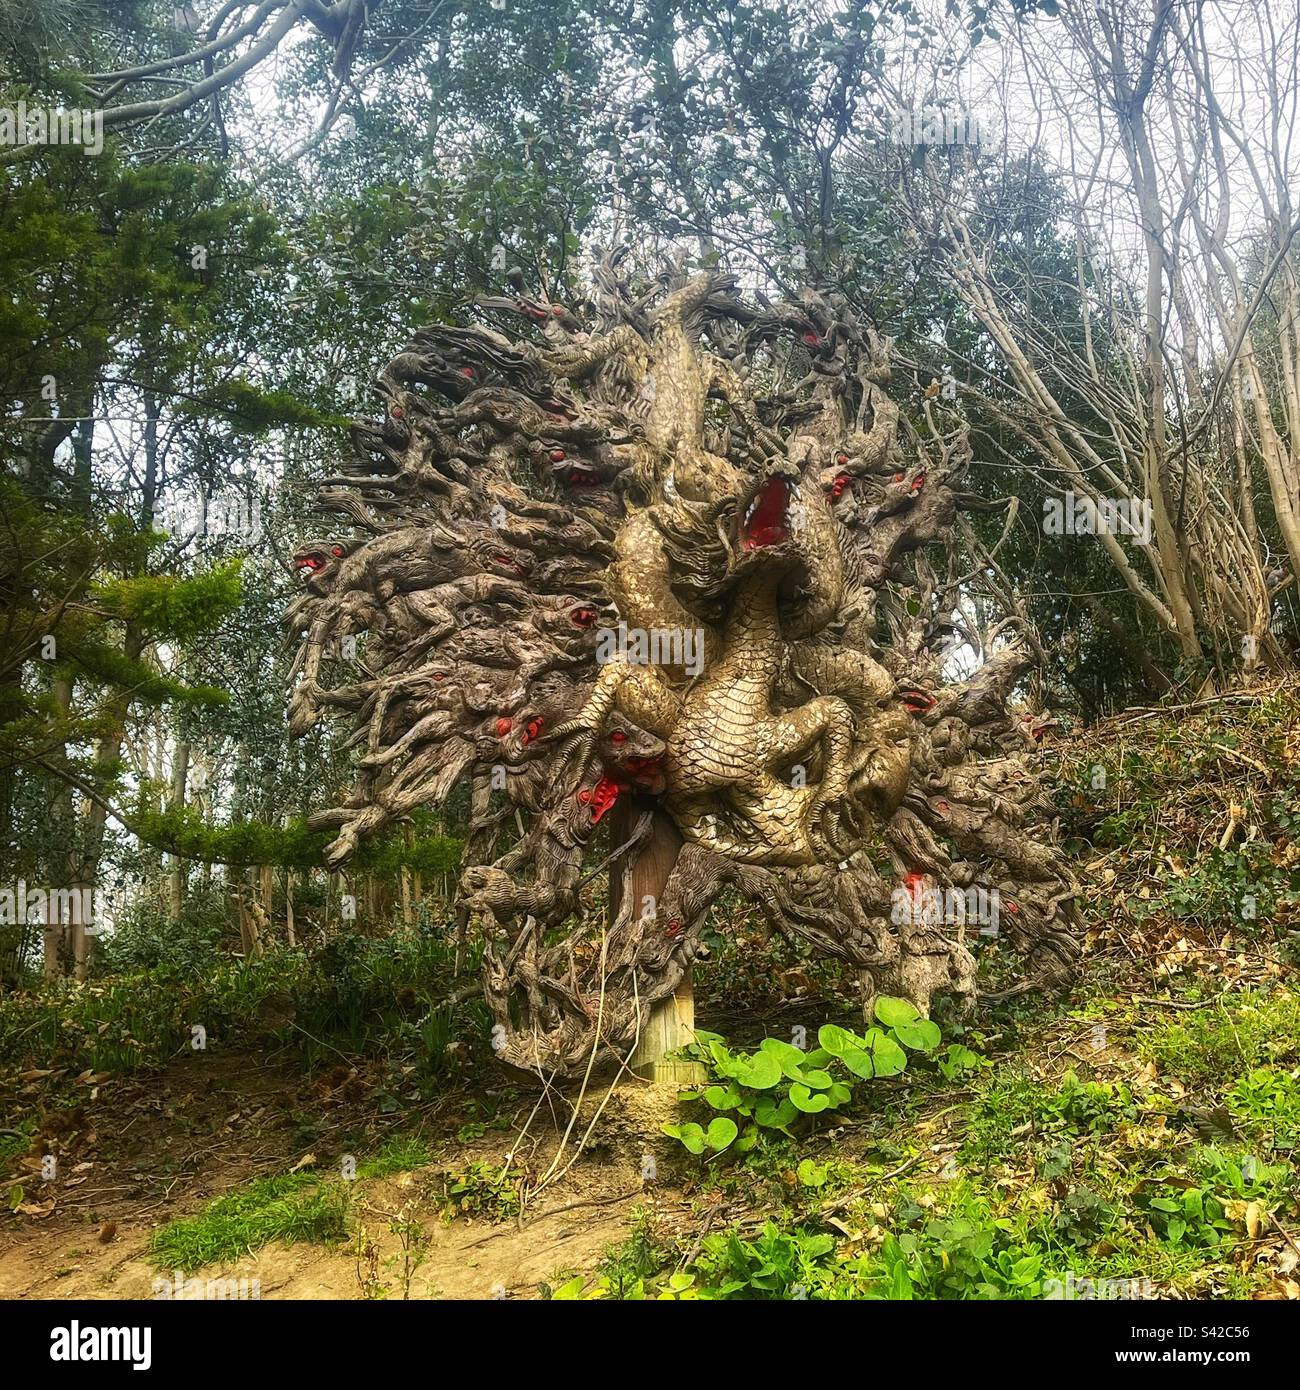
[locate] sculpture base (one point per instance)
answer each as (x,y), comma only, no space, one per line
(671,1026)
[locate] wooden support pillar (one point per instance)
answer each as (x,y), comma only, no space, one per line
(671,1024)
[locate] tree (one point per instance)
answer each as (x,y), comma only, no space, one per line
(672,548)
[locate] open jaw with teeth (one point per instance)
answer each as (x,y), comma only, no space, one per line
(767,519)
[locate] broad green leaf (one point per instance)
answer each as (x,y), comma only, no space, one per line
(790,1058)
(836,1040)
(761,1072)
(891,1012)
(920,1036)
(810,1102)
(722,1098)
(859,1063)
(721,1133)
(890,1059)
(691,1135)
(772,1114)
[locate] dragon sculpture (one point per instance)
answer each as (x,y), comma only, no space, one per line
(666,552)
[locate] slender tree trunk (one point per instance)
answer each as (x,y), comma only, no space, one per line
(176,803)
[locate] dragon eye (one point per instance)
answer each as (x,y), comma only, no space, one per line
(618,737)
(336,550)
(558,456)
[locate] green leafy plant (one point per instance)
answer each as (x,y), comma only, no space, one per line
(481,1189)
(1266,1102)
(1090,1107)
(1083,1217)
(1187,1216)
(778,1085)
(953,1259)
(774,1264)
(956,1059)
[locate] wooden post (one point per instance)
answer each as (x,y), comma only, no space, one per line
(671,1024)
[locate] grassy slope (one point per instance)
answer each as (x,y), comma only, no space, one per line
(1140,1132)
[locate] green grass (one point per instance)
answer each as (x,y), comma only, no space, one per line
(1215,1045)
(288,1208)
(1016,1109)
(400,1153)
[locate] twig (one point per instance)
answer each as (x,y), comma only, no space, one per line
(862,1191)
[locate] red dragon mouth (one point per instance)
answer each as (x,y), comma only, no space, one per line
(767,522)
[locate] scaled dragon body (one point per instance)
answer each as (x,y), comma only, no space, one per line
(671,460)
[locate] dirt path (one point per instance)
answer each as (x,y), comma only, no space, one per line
(465,1259)
(134,1154)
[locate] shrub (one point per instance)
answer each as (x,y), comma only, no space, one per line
(778,1085)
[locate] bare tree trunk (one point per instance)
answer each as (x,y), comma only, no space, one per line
(176,802)
(54,934)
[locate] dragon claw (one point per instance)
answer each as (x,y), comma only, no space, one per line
(568,730)
(575,745)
